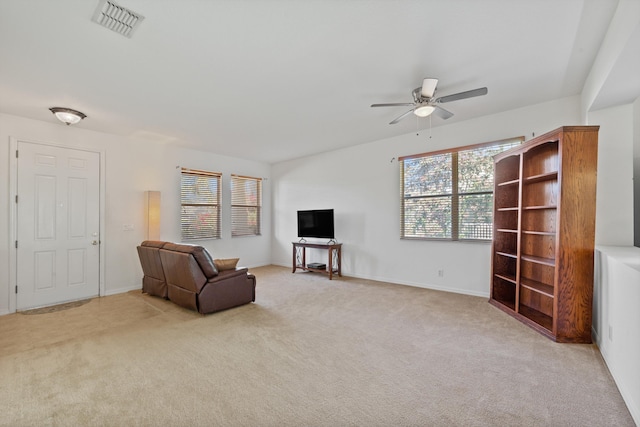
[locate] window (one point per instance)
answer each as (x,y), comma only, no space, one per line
(449,194)
(246,205)
(200,199)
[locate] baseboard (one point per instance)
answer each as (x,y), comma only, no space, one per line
(122,290)
(623,388)
(627,397)
(438,288)
(618,378)
(414,284)
(595,337)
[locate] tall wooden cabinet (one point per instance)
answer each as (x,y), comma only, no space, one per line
(544,231)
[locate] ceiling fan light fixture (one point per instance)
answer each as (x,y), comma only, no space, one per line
(424,110)
(67,115)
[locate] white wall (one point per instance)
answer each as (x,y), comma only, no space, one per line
(636,172)
(614,197)
(616,296)
(362,185)
(132,167)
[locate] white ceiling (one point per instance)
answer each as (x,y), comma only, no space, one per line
(272,80)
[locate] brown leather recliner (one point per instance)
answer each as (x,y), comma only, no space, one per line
(153,281)
(194,282)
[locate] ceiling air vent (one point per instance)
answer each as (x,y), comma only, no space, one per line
(117,18)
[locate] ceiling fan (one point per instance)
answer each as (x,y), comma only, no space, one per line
(425,103)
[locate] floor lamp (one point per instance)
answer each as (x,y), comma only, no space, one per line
(152,210)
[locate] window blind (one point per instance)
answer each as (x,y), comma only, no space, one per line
(448,194)
(246,205)
(200,204)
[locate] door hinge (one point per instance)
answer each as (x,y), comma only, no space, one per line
(16,244)
(16,289)
(16,154)
(16,198)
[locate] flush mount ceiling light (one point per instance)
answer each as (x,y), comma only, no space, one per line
(424,110)
(67,115)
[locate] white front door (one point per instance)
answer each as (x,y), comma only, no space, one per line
(58,218)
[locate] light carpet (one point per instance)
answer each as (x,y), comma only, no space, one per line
(308,352)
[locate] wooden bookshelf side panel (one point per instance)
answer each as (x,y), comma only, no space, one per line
(574,320)
(577,236)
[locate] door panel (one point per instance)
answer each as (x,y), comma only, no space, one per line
(58,219)
(45,207)
(44,267)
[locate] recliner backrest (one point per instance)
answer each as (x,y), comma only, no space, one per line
(154,281)
(199,253)
(187,266)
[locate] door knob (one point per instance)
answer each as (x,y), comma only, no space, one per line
(95,242)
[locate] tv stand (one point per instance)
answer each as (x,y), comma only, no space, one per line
(334,264)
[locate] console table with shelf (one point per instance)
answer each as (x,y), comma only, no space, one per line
(334,260)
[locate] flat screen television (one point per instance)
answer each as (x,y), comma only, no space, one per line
(316,223)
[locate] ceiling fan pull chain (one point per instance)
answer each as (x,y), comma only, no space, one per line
(429,126)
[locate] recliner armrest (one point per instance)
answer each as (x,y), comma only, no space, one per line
(227,274)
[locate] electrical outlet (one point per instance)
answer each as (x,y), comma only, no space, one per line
(440,273)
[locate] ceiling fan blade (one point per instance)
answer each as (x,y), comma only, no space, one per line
(429,88)
(397,104)
(463,95)
(442,113)
(397,119)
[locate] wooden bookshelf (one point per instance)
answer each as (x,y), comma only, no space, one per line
(544,232)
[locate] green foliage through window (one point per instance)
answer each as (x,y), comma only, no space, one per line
(449,194)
